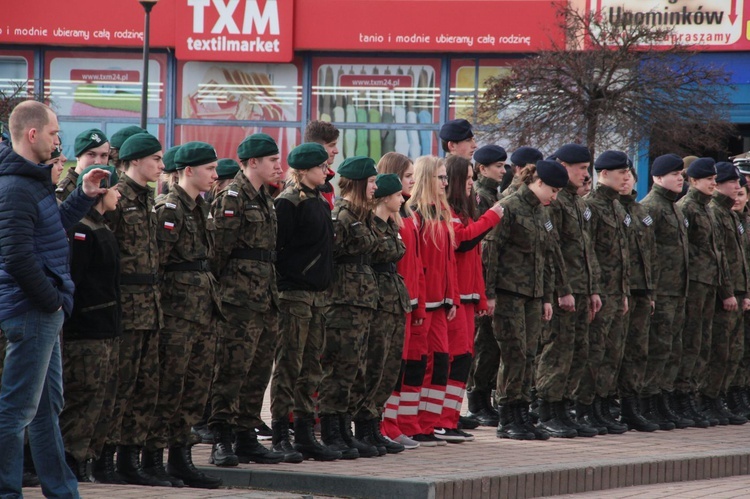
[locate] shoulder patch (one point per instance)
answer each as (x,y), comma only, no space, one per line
(228,213)
(232,193)
(548,225)
(627,220)
(170,206)
(169,225)
(647,221)
(79,236)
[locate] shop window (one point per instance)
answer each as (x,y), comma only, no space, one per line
(70,129)
(468,77)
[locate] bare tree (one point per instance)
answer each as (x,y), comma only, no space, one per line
(12,94)
(609,85)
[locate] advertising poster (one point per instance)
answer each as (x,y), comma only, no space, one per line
(468,85)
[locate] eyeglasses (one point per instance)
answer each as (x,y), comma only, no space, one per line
(442,178)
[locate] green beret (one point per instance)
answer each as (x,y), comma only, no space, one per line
(357,168)
(89,139)
(58,151)
(227,169)
(120,136)
(113,178)
(168,159)
(257,145)
(306,156)
(139,146)
(194,154)
(388,183)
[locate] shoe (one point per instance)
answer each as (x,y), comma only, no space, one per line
(153,464)
(510,426)
(247,449)
(585,416)
(306,444)
(222,453)
(30,479)
(524,416)
(330,433)
(81,470)
(130,469)
(363,432)
(560,409)
(630,414)
(602,409)
(467,423)
(364,449)
(425,440)
(264,432)
(180,465)
(734,419)
(202,432)
(551,423)
(480,408)
(651,413)
(391,447)
(685,404)
(407,442)
(449,435)
(468,437)
(281,442)
(665,409)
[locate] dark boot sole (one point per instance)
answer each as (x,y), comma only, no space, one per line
(259,459)
(224,463)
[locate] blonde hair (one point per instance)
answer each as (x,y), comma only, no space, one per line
(355,191)
(429,201)
(394,162)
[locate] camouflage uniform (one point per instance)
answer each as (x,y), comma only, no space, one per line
(187,343)
(742,377)
(727,339)
(67,184)
(519,277)
(134,226)
(641,250)
(244,262)
(354,299)
(608,229)
(701,299)
(377,375)
(565,353)
(486,352)
(670,283)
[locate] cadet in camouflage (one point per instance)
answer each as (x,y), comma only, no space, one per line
(90,147)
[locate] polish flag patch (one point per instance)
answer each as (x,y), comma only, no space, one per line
(79,236)
(228,213)
(169,225)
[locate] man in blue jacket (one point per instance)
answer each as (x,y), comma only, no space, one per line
(36,292)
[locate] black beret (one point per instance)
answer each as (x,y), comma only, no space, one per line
(525,155)
(552,173)
(701,168)
(307,155)
(89,139)
(227,169)
(666,163)
(388,183)
(194,153)
(357,168)
(726,172)
(611,160)
(573,153)
(139,146)
(120,136)
(257,145)
(456,130)
(487,155)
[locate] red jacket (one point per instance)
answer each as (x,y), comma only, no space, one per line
(439,263)
(469,234)
(411,269)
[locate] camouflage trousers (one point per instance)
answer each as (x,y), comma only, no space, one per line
(378,371)
(517,327)
(90,384)
(486,362)
(564,353)
(297,372)
(727,348)
(243,366)
(632,374)
(742,375)
(186,364)
(137,387)
(664,344)
(347,330)
(696,335)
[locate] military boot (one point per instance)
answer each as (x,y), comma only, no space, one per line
(710,410)
(551,422)
(630,414)
(330,433)
(103,469)
(81,470)
(364,449)
(563,414)
(222,453)
(510,427)
(130,469)
(665,409)
(391,447)
(651,413)
(480,408)
(734,419)
(153,464)
(586,416)
(180,465)
(281,443)
(602,411)
(247,448)
(736,403)
(363,433)
(306,444)
(523,416)
(685,404)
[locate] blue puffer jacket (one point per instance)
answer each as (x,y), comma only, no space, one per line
(34,262)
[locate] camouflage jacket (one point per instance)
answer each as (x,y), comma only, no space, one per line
(518,250)
(703,252)
(67,184)
(134,226)
(185,235)
(487,193)
(354,282)
(670,229)
(641,244)
(731,242)
(245,248)
(608,229)
(571,219)
(393,296)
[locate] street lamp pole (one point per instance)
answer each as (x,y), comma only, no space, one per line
(147,6)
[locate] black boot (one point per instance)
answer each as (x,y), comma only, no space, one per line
(481,409)
(651,413)
(80,469)
(180,465)
(523,416)
(603,413)
(222,453)
(391,447)
(735,402)
(330,434)
(363,433)
(103,469)
(630,414)
(710,410)
(510,427)
(306,444)
(247,449)
(30,479)
(745,396)
(364,449)
(551,422)
(129,468)
(586,416)
(281,442)
(153,464)
(732,418)
(582,429)
(665,409)
(684,403)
